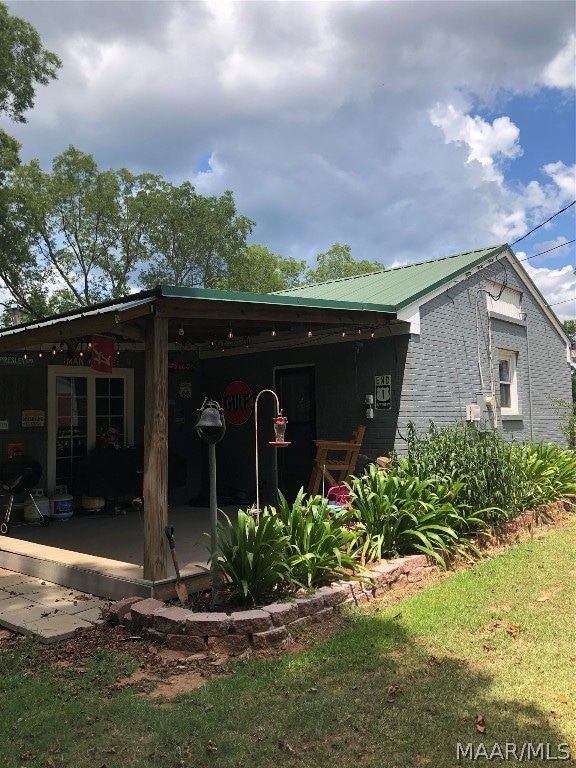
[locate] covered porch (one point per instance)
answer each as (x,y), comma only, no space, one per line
(213,331)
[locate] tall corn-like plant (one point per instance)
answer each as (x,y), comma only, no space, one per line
(253,557)
(320,539)
(485,459)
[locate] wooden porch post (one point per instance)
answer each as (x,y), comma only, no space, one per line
(156,449)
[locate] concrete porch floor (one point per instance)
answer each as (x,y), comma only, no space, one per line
(102,554)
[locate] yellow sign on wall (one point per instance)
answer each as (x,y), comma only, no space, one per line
(32,418)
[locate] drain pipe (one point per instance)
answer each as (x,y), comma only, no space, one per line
(529,383)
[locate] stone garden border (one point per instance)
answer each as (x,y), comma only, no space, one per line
(267,627)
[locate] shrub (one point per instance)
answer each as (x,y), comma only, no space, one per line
(401,513)
(320,539)
(253,557)
(483,460)
(547,472)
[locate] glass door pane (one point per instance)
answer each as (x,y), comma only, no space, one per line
(71,425)
(110,406)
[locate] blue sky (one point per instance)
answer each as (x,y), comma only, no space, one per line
(409,130)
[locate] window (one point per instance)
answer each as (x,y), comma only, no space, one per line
(507,381)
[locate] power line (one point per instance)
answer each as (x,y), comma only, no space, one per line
(568,242)
(544,222)
(560,302)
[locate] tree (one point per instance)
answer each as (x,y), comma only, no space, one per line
(192,238)
(24,63)
(256,269)
(338,262)
(570,328)
(77,232)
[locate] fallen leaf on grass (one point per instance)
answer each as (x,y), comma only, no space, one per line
(285,746)
(211,746)
(480,723)
(562,699)
(512,629)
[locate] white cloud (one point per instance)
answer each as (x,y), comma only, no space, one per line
(487,142)
(316,115)
(558,287)
(561,71)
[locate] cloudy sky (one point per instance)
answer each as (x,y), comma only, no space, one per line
(410,130)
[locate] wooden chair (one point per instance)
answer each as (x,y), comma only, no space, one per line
(335,460)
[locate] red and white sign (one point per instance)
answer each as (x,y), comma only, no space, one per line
(237,402)
(102,354)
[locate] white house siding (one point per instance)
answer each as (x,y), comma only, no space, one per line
(442,374)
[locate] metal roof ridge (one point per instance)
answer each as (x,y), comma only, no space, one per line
(393,269)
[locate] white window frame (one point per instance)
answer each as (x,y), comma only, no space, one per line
(511,358)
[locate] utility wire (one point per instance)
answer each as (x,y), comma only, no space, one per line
(565,301)
(568,242)
(544,222)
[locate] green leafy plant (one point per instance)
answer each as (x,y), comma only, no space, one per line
(547,472)
(401,513)
(483,460)
(320,539)
(566,413)
(253,557)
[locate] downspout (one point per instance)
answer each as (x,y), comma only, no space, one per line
(529,386)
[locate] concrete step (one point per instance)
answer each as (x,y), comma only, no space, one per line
(111,579)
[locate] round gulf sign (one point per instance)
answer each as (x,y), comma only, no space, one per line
(237,402)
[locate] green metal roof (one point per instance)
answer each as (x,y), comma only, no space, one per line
(400,286)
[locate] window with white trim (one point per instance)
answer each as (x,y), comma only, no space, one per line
(507,382)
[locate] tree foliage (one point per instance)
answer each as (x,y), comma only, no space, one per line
(337,262)
(257,269)
(24,64)
(77,235)
(192,238)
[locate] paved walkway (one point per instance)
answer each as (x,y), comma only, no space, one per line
(33,606)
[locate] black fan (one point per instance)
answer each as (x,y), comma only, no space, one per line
(18,475)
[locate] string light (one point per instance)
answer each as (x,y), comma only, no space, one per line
(89,343)
(25,355)
(273,332)
(309,334)
(372,332)
(40,353)
(81,353)
(230,334)
(61,346)
(53,350)
(117,348)
(343,332)
(181,330)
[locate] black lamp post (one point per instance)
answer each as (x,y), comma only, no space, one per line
(211,427)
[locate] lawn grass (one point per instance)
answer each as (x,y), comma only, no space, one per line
(398,685)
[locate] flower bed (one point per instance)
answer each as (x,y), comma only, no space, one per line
(266,627)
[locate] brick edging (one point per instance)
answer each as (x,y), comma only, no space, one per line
(232,633)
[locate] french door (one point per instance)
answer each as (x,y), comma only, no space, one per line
(81,405)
